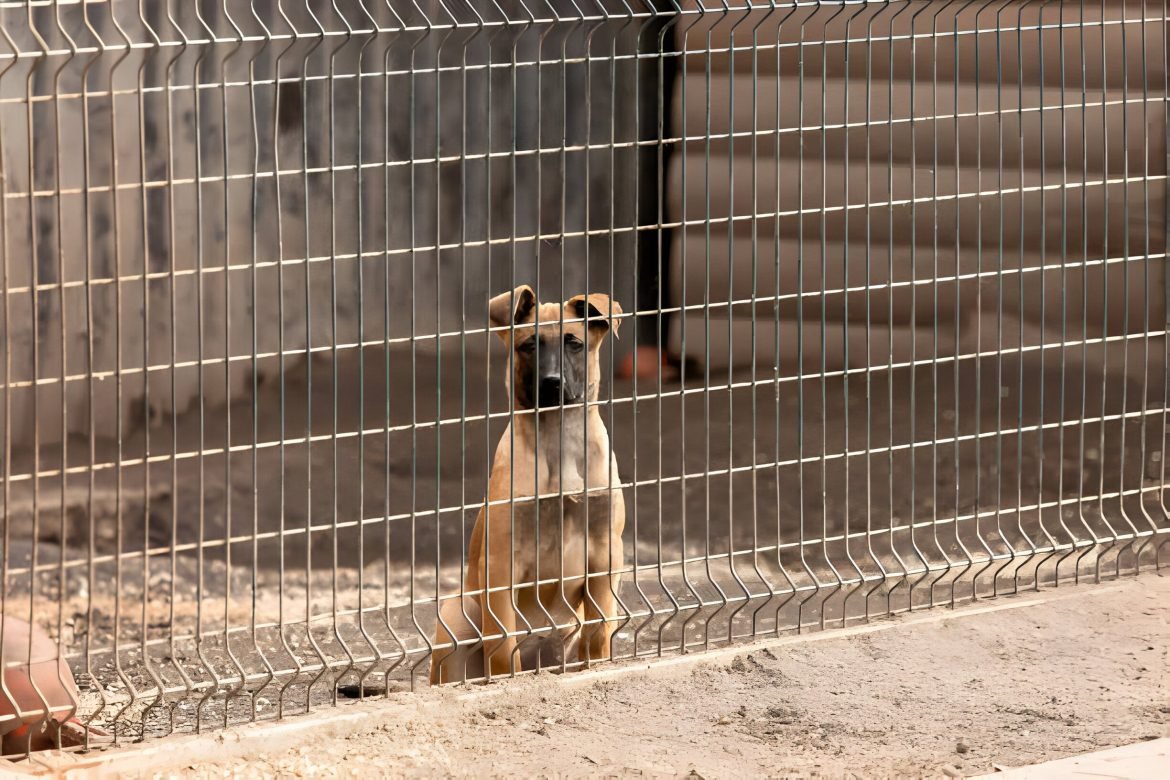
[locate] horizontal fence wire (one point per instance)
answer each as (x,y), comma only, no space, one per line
(898,269)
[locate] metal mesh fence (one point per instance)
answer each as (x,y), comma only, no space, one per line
(906,262)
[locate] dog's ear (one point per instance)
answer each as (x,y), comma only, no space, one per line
(598,310)
(513,306)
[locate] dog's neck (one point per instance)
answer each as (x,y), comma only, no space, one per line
(554,430)
(560,445)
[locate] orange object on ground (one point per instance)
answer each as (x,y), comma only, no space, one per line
(35,674)
(649,361)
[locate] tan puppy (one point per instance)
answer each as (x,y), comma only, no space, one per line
(536,520)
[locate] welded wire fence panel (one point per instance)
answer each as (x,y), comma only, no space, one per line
(911,257)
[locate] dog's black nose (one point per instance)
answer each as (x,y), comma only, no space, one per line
(550,391)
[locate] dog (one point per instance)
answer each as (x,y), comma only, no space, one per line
(551,512)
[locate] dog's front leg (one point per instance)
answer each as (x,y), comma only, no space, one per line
(605,562)
(601,610)
(601,606)
(500,624)
(499,598)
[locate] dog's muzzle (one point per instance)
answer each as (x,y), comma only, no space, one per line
(550,392)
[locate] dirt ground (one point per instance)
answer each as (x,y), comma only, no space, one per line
(943,694)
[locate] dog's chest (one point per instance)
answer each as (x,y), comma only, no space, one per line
(562,464)
(563,525)
(562,531)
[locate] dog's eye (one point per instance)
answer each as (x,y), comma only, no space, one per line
(526,346)
(573,343)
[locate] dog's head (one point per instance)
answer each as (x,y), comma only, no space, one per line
(554,347)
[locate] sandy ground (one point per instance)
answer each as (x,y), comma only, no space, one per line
(943,694)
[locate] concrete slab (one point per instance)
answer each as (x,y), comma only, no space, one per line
(1148,760)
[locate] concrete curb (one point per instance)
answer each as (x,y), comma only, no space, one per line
(1141,761)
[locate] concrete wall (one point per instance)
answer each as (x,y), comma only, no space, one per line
(171,202)
(948,159)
